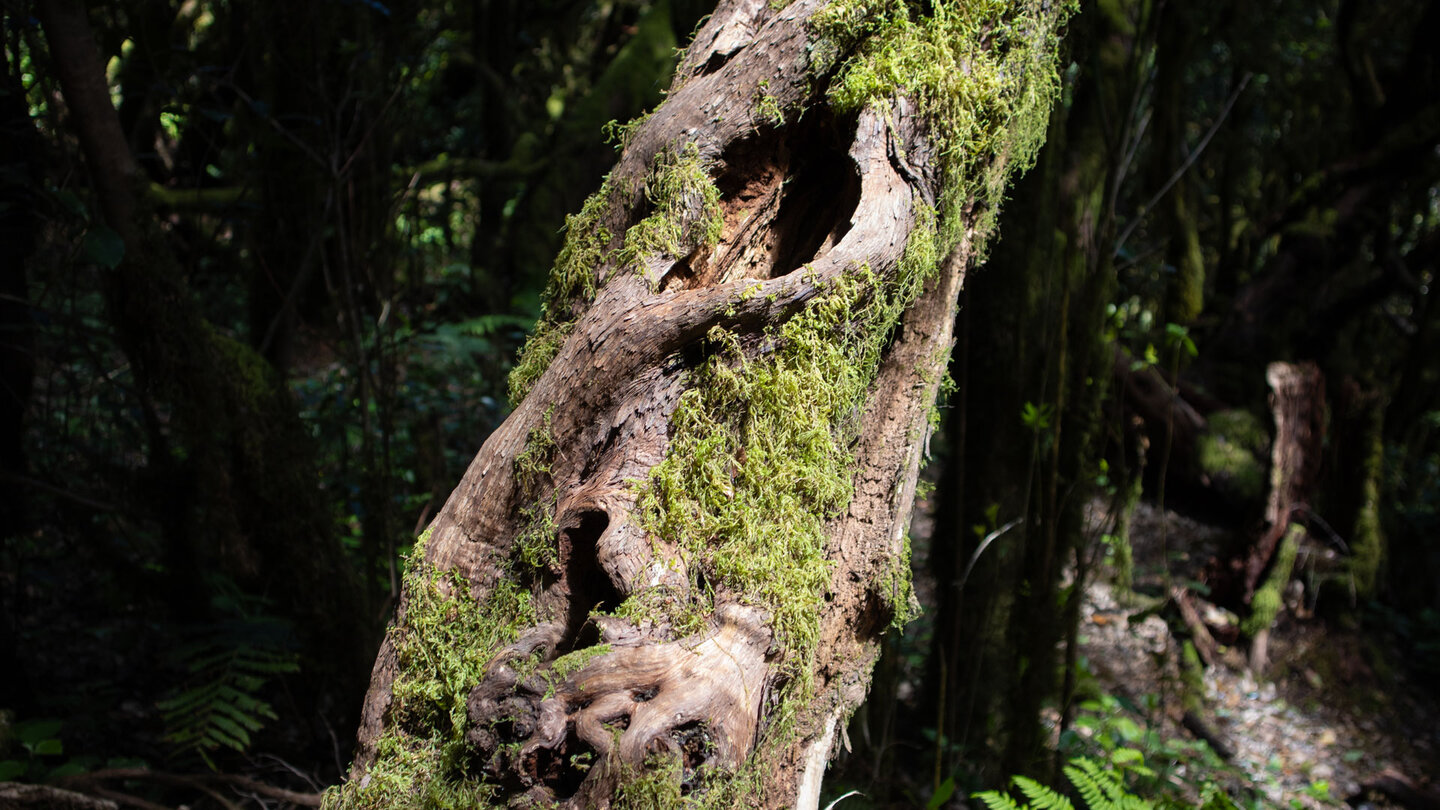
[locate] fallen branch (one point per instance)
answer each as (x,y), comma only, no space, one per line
(1199,633)
(17,795)
(204,783)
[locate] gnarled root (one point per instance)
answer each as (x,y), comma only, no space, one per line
(568,739)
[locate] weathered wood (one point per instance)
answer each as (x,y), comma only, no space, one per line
(1298,402)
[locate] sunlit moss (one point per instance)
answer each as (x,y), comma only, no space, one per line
(570,289)
(654,787)
(537,544)
(540,349)
(767,107)
(983,74)
(685,215)
(442,642)
(1266,603)
(685,210)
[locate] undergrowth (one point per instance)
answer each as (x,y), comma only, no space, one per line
(1099,786)
(229,662)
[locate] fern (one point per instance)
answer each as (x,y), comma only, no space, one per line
(995,800)
(1101,788)
(1042,797)
(1089,781)
(227,665)
(1104,789)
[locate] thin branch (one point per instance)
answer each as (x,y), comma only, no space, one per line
(1184,167)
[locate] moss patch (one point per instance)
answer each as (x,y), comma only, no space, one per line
(442,644)
(1266,603)
(685,214)
(537,545)
(654,787)
(982,72)
(1230,453)
(760,456)
(569,291)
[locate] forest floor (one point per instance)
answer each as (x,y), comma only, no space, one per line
(1332,711)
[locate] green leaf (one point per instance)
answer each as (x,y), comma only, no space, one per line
(71,768)
(49,748)
(33,731)
(103,246)
(1121,756)
(942,794)
(11,769)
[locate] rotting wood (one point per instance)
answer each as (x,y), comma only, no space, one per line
(1298,402)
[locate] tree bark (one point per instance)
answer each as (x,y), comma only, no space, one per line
(1298,401)
(667,573)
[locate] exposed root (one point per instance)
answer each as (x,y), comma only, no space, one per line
(567,738)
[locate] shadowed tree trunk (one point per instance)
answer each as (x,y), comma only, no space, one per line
(666,575)
(233,458)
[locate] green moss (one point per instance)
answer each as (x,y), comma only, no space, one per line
(685,215)
(571,663)
(1267,601)
(569,291)
(535,357)
(654,787)
(442,643)
(1230,453)
(758,462)
(767,106)
(901,589)
(254,380)
(685,212)
(982,72)
(537,544)
(1241,428)
(1192,679)
(760,456)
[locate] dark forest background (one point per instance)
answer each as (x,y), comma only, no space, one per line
(228,406)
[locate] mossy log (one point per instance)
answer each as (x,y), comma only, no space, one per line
(664,578)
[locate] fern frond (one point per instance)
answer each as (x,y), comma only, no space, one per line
(1088,786)
(1103,788)
(229,663)
(995,800)
(1040,796)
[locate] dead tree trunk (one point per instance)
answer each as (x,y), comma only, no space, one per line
(1298,401)
(667,573)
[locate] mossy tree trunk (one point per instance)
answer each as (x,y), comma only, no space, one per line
(665,577)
